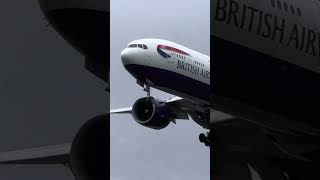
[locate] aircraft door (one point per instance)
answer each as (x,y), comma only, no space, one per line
(169,60)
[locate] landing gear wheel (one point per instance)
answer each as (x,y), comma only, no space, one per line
(207,143)
(204,138)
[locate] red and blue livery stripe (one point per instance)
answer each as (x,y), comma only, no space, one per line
(160,49)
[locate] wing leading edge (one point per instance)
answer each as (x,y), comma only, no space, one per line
(174,104)
(57,154)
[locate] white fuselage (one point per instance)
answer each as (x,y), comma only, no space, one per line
(169,67)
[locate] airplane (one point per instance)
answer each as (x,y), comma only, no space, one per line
(174,69)
(84,24)
(264,78)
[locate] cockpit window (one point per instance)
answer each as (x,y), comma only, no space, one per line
(142,46)
(132,45)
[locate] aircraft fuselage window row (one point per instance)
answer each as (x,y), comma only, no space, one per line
(183,57)
(178,55)
(199,64)
(142,46)
(283,5)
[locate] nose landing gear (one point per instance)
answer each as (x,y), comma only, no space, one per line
(205,138)
(147,89)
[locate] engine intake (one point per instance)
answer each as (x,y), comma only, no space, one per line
(151,113)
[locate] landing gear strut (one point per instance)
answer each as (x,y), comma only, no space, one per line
(205,138)
(146,86)
(147,89)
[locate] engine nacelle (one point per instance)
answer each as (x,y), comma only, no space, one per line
(89,157)
(151,113)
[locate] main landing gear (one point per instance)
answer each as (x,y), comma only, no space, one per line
(205,138)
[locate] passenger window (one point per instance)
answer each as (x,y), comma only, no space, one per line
(140,45)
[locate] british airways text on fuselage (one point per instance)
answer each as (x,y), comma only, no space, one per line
(184,61)
(193,69)
(269,26)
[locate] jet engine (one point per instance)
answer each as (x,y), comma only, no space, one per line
(151,113)
(89,156)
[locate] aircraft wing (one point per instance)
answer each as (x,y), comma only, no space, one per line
(183,109)
(121,110)
(174,104)
(58,154)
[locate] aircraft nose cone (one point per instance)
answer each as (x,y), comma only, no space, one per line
(125,57)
